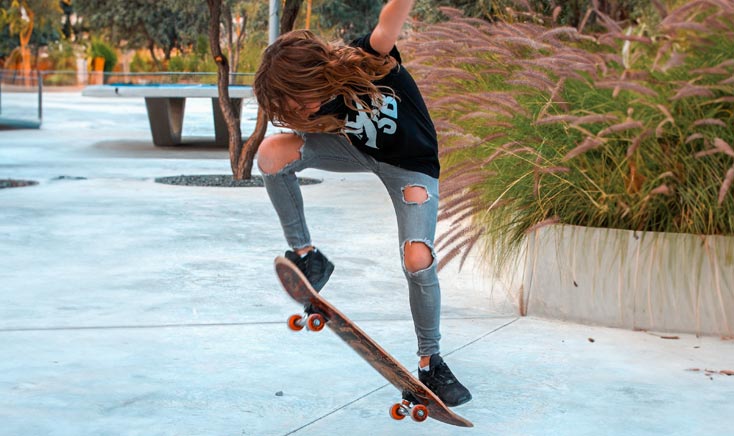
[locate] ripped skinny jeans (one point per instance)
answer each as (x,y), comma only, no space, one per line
(416,221)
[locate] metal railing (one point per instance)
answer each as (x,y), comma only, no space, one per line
(175,78)
(84,78)
(14,82)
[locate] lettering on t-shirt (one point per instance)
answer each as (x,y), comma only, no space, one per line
(365,125)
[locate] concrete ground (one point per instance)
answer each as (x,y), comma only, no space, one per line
(129,307)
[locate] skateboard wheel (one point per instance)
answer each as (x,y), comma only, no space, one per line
(419,413)
(315,322)
(295,323)
(397,412)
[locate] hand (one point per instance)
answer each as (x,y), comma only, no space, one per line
(392,18)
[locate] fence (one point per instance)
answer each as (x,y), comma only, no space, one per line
(83,78)
(18,110)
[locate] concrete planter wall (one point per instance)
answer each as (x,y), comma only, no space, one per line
(619,278)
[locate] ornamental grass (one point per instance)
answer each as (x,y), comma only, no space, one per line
(627,127)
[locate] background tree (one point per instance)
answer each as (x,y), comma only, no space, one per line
(145,24)
(241,155)
(68,9)
(234,20)
(240,167)
(29,24)
(348,19)
(289,15)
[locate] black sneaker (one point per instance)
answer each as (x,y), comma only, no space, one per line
(443,383)
(314,265)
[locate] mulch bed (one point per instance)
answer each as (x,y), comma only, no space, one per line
(12,183)
(223,181)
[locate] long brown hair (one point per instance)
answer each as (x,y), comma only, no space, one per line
(302,68)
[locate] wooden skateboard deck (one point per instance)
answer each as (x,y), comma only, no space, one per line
(298,287)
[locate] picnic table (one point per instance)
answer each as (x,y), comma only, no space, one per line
(165,104)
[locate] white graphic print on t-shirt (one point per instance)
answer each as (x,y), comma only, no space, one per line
(365,127)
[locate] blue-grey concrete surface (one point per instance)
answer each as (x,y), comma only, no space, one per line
(129,307)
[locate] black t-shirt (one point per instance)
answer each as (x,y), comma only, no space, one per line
(399,133)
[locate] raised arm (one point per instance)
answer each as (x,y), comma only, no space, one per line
(392,18)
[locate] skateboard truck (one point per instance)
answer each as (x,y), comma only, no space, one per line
(418,412)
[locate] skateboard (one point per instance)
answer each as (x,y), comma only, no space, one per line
(418,401)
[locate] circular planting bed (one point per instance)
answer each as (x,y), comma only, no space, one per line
(12,183)
(224,181)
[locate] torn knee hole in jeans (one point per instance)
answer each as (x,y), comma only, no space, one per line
(279,166)
(415,194)
(417,255)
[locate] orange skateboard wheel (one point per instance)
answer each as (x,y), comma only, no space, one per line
(315,322)
(397,412)
(419,413)
(295,323)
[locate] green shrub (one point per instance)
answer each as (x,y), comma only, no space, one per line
(60,79)
(177,63)
(141,64)
(99,48)
(191,63)
(61,54)
(250,56)
(201,48)
(628,129)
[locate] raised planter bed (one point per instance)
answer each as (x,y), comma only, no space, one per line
(650,281)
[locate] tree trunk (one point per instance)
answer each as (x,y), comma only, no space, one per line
(249,150)
(228,35)
(240,32)
(241,156)
(151,50)
(25,51)
(287,21)
(241,167)
(290,13)
(308,13)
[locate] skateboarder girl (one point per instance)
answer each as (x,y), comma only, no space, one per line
(356,108)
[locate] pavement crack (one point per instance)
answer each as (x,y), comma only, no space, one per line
(342,407)
(132,326)
(363,396)
(183,325)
